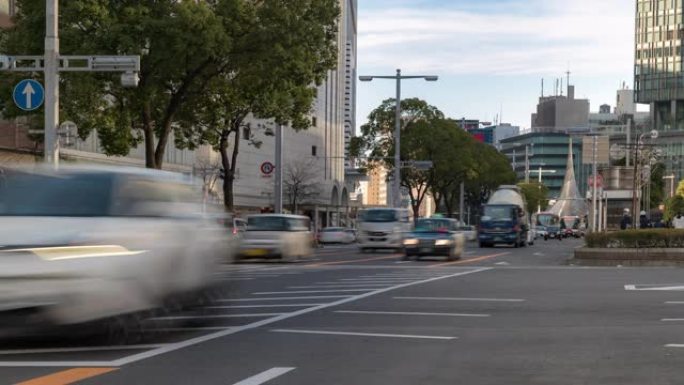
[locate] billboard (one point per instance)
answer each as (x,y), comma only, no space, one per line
(602,149)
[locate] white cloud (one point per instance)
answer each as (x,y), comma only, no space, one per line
(594,37)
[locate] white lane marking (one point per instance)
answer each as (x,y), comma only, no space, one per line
(674,346)
(300,331)
(283,298)
(374,279)
(194,341)
(463,299)
(672,319)
(400,262)
(258,306)
(80,349)
(189,329)
(411,313)
(502,264)
(673,287)
(352,284)
(312,291)
(265,376)
(213,316)
(233,278)
(342,286)
(674,302)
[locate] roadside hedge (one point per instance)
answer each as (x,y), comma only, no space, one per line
(637,239)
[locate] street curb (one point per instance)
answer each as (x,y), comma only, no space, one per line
(656,257)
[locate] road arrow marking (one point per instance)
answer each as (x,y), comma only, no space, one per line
(28,92)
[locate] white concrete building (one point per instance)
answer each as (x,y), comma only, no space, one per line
(322,147)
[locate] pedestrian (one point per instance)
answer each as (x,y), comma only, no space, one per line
(644,222)
(678,221)
(626,220)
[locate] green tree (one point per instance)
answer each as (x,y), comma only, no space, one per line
(657,187)
(183,45)
(494,170)
(536,195)
(243,57)
(458,166)
(270,75)
(421,140)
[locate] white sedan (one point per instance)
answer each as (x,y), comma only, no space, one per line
(84,244)
(337,235)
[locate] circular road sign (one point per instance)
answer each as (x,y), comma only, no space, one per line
(267,168)
(28,95)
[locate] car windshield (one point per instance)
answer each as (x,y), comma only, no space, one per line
(498,213)
(333,230)
(379,216)
(276,223)
(78,194)
(547,220)
(433,225)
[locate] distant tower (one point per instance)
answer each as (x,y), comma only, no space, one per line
(570,201)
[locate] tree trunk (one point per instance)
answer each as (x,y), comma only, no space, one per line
(227,176)
(149,135)
(161,145)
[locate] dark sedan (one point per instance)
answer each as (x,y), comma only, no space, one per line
(434,237)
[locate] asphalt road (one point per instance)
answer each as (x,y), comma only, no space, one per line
(498,316)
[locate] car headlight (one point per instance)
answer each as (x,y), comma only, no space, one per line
(443,242)
(410,242)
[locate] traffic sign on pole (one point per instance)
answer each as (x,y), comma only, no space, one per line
(267,169)
(28,95)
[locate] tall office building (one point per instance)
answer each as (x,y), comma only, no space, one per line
(350,27)
(658,75)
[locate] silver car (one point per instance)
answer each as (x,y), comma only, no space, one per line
(87,243)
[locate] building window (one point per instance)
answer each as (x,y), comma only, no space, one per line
(314,121)
(247,132)
(314,150)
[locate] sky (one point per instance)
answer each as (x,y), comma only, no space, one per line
(492,54)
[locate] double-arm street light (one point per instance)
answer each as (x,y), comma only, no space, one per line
(396,185)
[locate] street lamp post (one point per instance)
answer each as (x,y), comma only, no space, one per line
(637,161)
(396,185)
(542,171)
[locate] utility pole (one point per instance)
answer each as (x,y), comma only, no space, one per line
(51,143)
(278,186)
(461,209)
(594,185)
(396,186)
(527,164)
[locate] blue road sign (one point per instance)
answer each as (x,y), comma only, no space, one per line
(28,94)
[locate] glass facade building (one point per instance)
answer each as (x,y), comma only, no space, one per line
(549,151)
(658,75)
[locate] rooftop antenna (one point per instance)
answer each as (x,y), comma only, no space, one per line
(561,87)
(500,113)
(542,87)
(556,91)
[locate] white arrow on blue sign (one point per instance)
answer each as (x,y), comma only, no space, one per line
(28,94)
